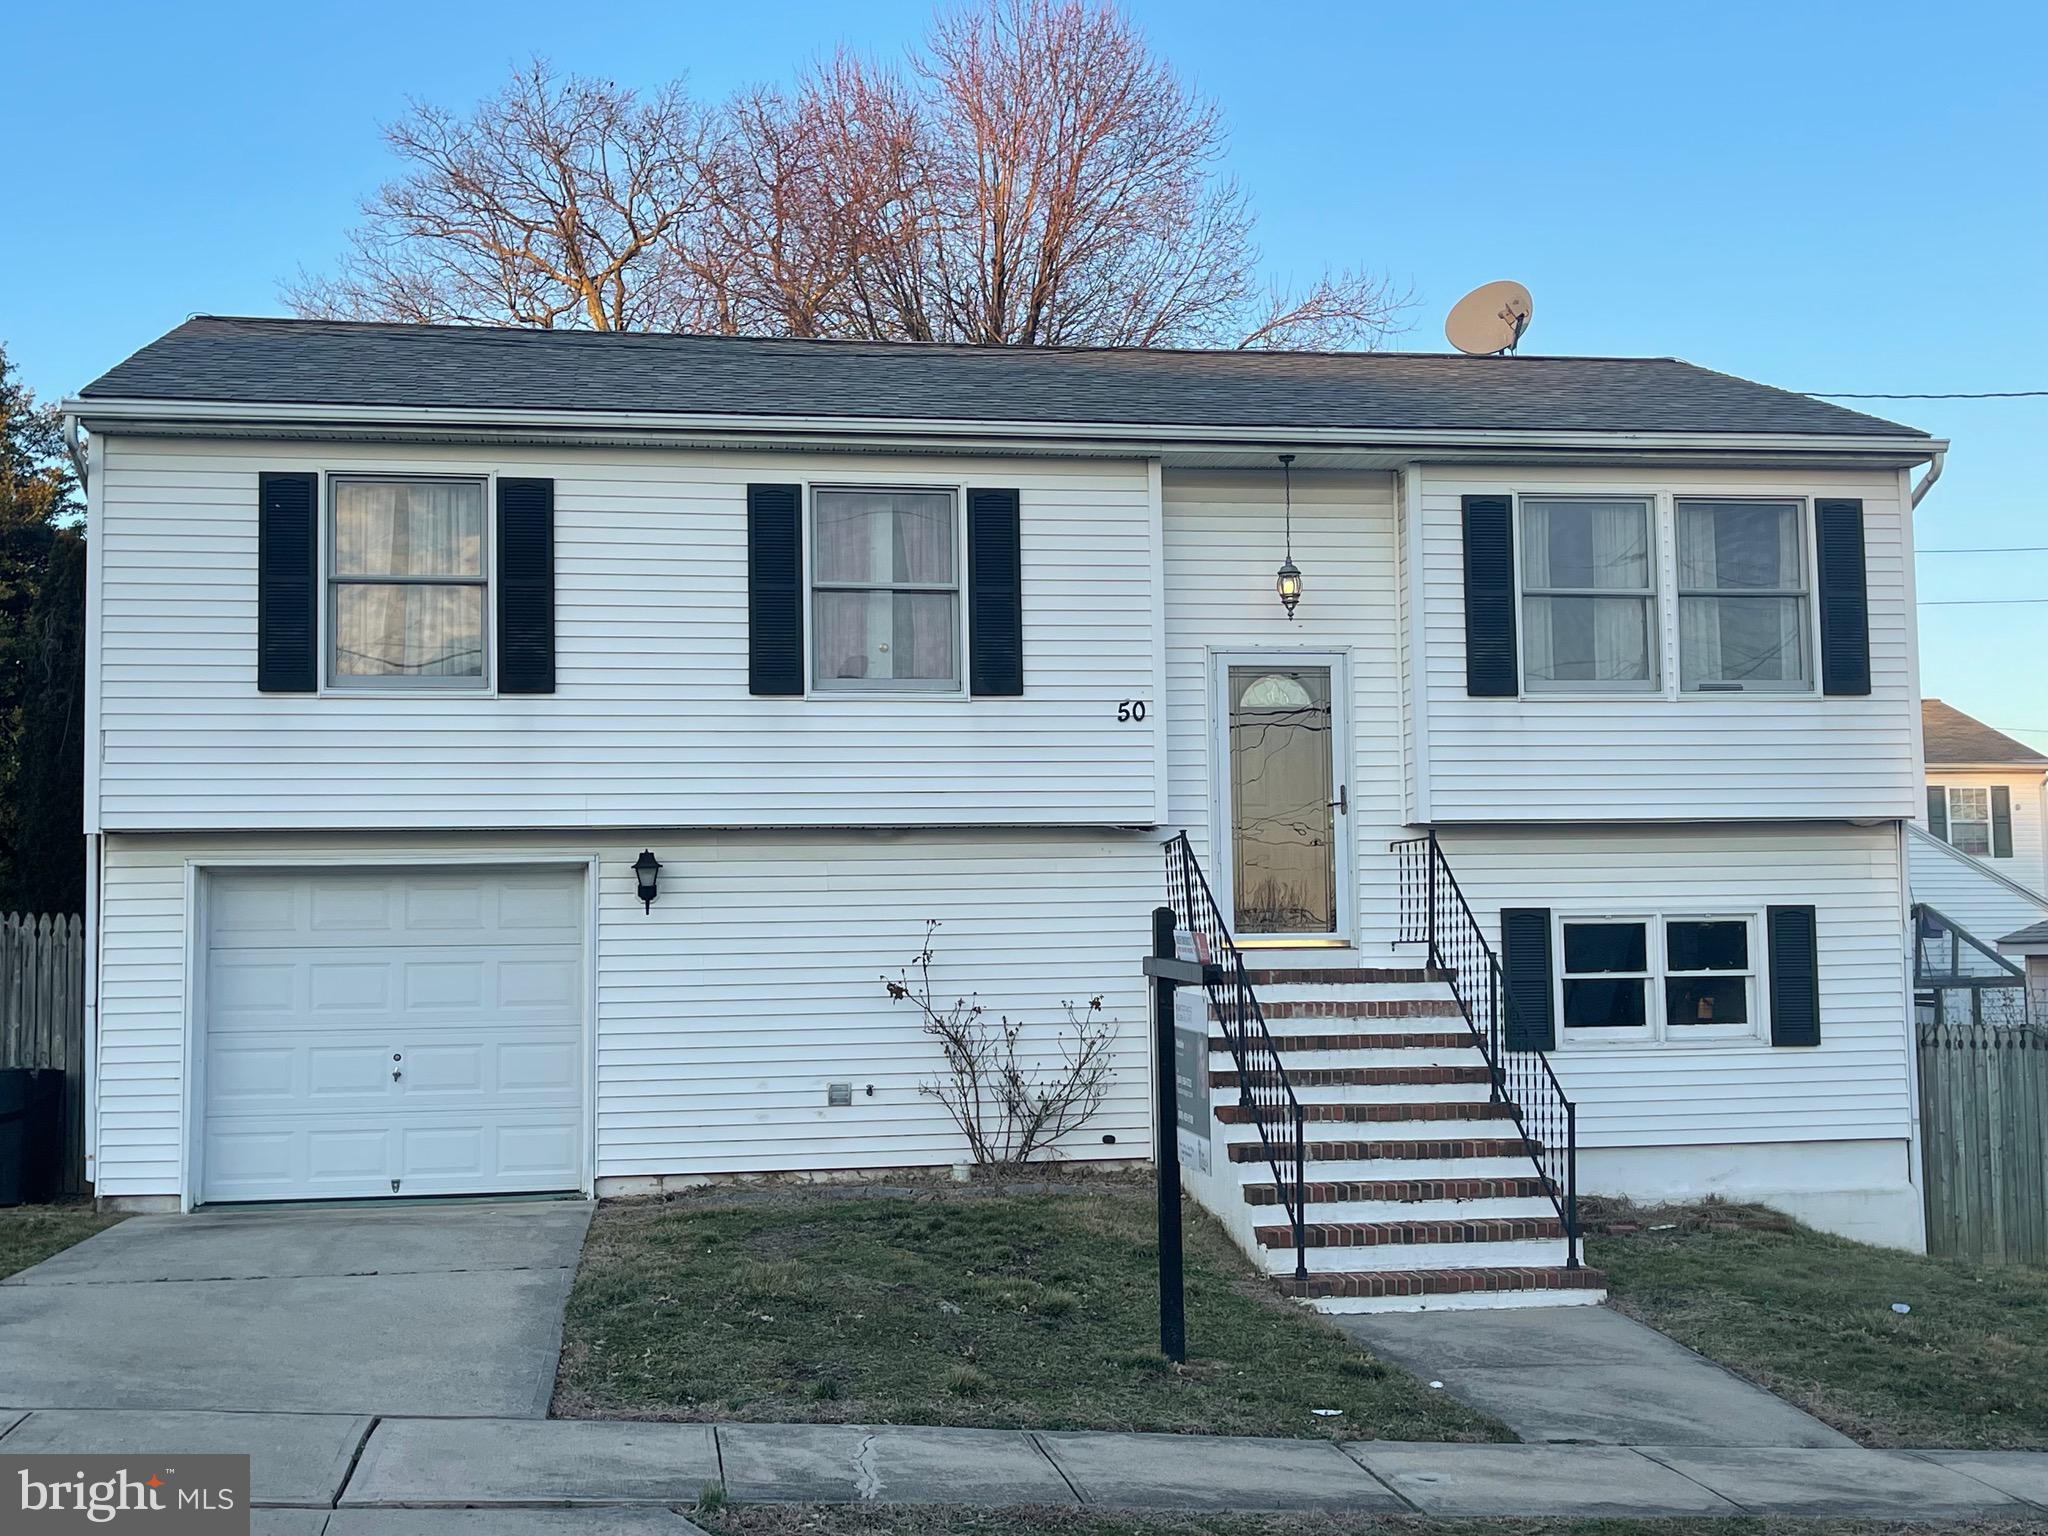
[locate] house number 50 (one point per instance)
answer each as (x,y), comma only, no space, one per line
(1130,709)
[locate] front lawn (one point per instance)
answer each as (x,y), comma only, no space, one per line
(30,1234)
(1812,1318)
(939,1304)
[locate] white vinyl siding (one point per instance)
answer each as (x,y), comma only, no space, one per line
(1223,540)
(1854,1085)
(1983,897)
(723,1014)
(651,723)
(1669,755)
(2024,791)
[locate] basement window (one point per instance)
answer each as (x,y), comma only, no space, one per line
(1680,979)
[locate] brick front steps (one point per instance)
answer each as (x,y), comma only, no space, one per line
(1378,1234)
(1342,1191)
(1378,1284)
(1237,1114)
(1439,1202)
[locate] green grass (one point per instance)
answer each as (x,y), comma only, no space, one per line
(937,1306)
(29,1234)
(901,1520)
(1810,1317)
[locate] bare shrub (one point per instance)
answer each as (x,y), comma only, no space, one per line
(1010,1102)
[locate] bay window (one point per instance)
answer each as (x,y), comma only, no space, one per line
(885,590)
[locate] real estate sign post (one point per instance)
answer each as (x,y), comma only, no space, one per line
(1170,975)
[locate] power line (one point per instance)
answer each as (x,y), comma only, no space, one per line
(1976,394)
(1977,602)
(1991,549)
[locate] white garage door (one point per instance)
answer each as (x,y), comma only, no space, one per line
(392,1032)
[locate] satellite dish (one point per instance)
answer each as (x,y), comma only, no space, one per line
(1489,320)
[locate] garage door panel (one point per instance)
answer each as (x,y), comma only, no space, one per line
(467,983)
(242,1075)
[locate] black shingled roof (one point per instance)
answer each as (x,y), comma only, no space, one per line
(1948,737)
(319,362)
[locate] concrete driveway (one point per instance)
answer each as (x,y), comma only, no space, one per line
(428,1309)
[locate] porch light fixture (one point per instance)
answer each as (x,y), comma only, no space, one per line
(647,872)
(1288,582)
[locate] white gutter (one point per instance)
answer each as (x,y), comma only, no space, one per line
(1933,474)
(1135,438)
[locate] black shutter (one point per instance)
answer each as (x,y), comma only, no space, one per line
(287,583)
(526,586)
(1525,958)
(1795,976)
(1937,811)
(2001,822)
(775,590)
(1490,669)
(995,594)
(1844,598)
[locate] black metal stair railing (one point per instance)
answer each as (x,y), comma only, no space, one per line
(1262,1086)
(1434,912)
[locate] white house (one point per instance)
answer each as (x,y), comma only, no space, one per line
(407,642)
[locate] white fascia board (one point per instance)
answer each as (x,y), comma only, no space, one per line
(1127,438)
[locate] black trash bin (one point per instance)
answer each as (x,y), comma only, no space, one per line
(31,1134)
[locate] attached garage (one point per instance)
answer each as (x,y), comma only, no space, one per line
(392,1032)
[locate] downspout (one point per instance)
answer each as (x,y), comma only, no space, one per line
(1933,474)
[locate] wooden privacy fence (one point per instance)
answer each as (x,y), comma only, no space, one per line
(42,1016)
(1984,1134)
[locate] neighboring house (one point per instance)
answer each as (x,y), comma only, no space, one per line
(1977,851)
(1985,793)
(408,642)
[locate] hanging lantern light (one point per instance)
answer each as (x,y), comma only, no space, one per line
(1288,582)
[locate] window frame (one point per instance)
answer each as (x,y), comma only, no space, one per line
(1657,1032)
(892,688)
(1987,820)
(1809,626)
(484,685)
(1652,594)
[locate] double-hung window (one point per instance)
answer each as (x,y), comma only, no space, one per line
(885,590)
(409,595)
(1642,979)
(1743,610)
(1589,602)
(1969,819)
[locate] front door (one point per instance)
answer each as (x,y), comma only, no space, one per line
(1284,797)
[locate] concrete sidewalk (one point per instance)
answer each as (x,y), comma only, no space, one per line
(342,1475)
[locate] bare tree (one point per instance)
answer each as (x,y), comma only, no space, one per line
(552,204)
(1035,176)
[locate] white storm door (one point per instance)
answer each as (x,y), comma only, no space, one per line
(392,1032)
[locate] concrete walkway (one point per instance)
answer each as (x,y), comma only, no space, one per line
(1585,1375)
(421,1309)
(341,1475)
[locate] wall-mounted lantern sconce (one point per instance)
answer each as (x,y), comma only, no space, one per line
(647,872)
(1288,582)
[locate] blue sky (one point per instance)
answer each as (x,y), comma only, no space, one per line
(1823,196)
